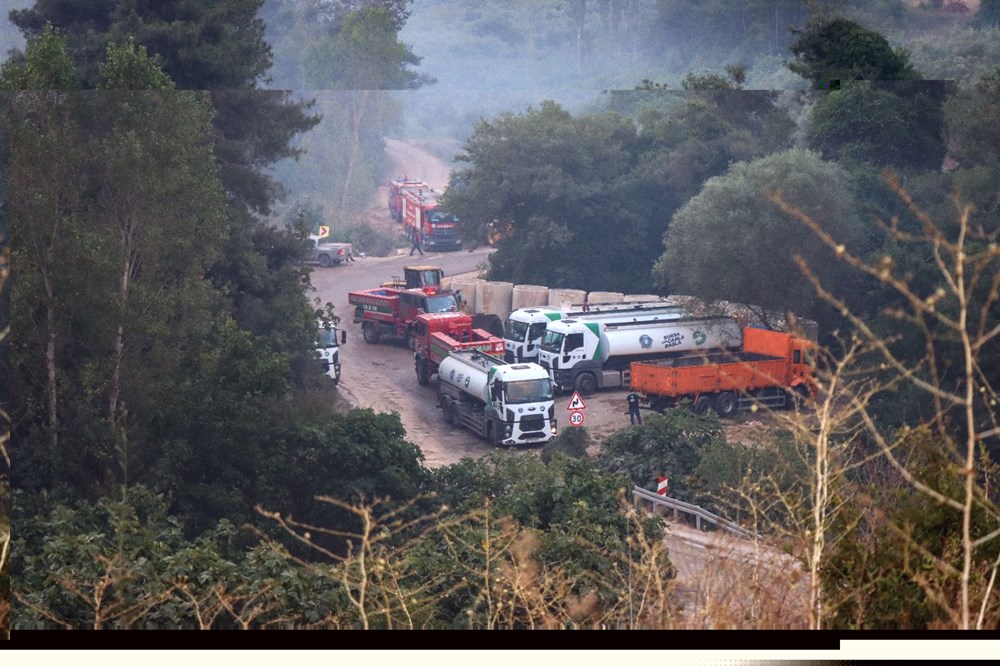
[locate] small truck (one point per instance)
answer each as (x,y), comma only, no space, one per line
(438,334)
(772,369)
(505,404)
(326,254)
(328,348)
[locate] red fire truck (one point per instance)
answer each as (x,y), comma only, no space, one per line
(421,215)
(438,334)
(392,311)
(396,189)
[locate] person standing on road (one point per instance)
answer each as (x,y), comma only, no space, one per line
(416,241)
(633,408)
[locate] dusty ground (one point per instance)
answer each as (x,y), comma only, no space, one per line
(382,377)
(376,376)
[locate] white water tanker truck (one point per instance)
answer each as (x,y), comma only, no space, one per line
(589,355)
(504,403)
(526,326)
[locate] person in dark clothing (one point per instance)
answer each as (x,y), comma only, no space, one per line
(417,241)
(633,408)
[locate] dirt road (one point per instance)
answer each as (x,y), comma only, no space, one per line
(382,376)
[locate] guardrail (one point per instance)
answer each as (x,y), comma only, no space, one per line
(677,506)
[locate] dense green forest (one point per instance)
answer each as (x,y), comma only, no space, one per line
(182,463)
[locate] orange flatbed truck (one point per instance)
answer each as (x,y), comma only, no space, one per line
(438,334)
(772,369)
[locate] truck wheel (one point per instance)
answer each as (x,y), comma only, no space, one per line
(423,375)
(658,404)
(798,397)
(324,260)
(491,433)
(726,404)
(456,419)
(702,404)
(586,383)
(370,334)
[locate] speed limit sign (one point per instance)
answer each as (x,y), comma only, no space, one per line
(576,418)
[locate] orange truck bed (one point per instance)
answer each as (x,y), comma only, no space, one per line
(769,362)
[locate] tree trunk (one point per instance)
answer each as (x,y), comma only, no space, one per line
(357,117)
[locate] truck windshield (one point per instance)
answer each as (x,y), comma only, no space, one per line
(437,217)
(528,390)
(441,303)
(552,342)
(428,277)
(326,337)
(516,330)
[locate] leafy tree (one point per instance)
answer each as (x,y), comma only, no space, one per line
(670,444)
(44,159)
(574,508)
(359,56)
(888,125)
(973,116)
(564,185)
(200,46)
(958,55)
(953,319)
(841,50)
(732,217)
(217,46)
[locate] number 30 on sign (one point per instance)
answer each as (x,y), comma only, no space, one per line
(576,418)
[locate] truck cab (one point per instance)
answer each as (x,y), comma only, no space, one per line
(328,348)
(417,277)
(506,404)
(525,330)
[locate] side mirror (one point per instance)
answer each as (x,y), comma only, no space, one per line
(343,336)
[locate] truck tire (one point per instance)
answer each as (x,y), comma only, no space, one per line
(585,383)
(702,404)
(726,404)
(456,418)
(370,334)
(324,261)
(798,397)
(423,372)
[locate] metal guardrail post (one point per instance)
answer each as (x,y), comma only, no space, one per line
(677,506)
